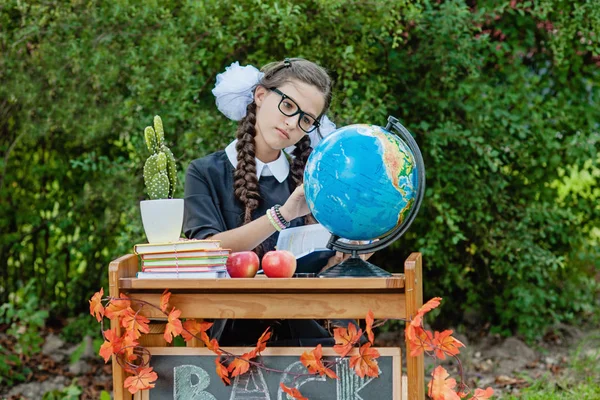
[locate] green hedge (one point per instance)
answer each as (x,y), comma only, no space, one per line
(503,100)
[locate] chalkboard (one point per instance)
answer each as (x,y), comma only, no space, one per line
(186,373)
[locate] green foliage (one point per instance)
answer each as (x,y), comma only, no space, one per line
(498,119)
(160,169)
(584,362)
(581,380)
(71,392)
(76,355)
(81,326)
(104,395)
(11,368)
(542,390)
(25,318)
(501,96)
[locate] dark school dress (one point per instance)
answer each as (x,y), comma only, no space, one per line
(210,208)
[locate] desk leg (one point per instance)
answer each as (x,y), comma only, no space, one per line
(122,267)
(414,299)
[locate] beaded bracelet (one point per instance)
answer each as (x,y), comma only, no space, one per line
(283,220)
(275,224)
(276,219)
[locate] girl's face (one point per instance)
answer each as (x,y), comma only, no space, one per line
(277,130)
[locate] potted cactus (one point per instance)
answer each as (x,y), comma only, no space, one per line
(162,215)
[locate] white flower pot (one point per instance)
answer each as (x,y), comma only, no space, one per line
(162,219)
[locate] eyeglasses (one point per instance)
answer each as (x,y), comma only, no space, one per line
(289,108)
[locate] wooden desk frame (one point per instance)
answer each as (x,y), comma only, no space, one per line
(396,297)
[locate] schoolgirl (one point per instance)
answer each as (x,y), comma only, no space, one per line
(245,194)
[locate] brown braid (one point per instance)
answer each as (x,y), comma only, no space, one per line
(245,181)
(301,153)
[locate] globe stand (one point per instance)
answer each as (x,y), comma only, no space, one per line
(354,267)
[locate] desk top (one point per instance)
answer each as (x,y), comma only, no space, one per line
(262,283)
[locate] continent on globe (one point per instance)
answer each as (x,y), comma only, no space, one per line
(361,182)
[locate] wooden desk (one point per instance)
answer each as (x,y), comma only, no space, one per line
(396,297)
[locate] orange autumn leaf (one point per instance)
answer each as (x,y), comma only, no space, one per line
(444,344)
(96,308)
(313,363)
(128,344)
(239,365)
(135,323)
(430,305)
(222,372)
(419,340)
(111,345)
(345,339)
(328,372)
(411,331)
(117,308)
(481,394)
(295,393)
(173,328)
(312,359)
(369,329)
(213,346)
(441,388)
(142,380)
(364,363)
(261,344)
(164,300)
(193,329)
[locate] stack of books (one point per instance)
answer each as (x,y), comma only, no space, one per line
(185,259)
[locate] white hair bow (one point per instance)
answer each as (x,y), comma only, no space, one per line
(234,89)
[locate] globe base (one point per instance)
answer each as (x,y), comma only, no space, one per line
(353,267)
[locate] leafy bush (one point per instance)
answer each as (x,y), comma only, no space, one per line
(25,319)
(71,392)
(11,369)
(501,96)
(81,326)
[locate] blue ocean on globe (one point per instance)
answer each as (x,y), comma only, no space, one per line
(361,182)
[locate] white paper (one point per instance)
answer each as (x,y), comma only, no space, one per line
(302,240)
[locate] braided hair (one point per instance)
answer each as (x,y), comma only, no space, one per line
(245,181)
(245,185)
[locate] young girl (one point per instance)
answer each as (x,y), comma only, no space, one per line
(244,195)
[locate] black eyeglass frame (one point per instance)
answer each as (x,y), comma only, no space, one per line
(284,96)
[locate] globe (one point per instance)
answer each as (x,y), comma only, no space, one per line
(361,182)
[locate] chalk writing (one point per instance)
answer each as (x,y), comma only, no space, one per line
(189,383)
(250,386)
(349,384)
(291,380)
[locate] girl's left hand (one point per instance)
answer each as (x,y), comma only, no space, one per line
(339,257)
(295,206)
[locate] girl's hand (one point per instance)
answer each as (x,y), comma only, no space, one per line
(336,259)
(339,256)
(295,206)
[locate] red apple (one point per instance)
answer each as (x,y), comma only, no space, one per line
(243,264)
(279,264)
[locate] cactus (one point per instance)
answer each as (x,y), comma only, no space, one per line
(160,171)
